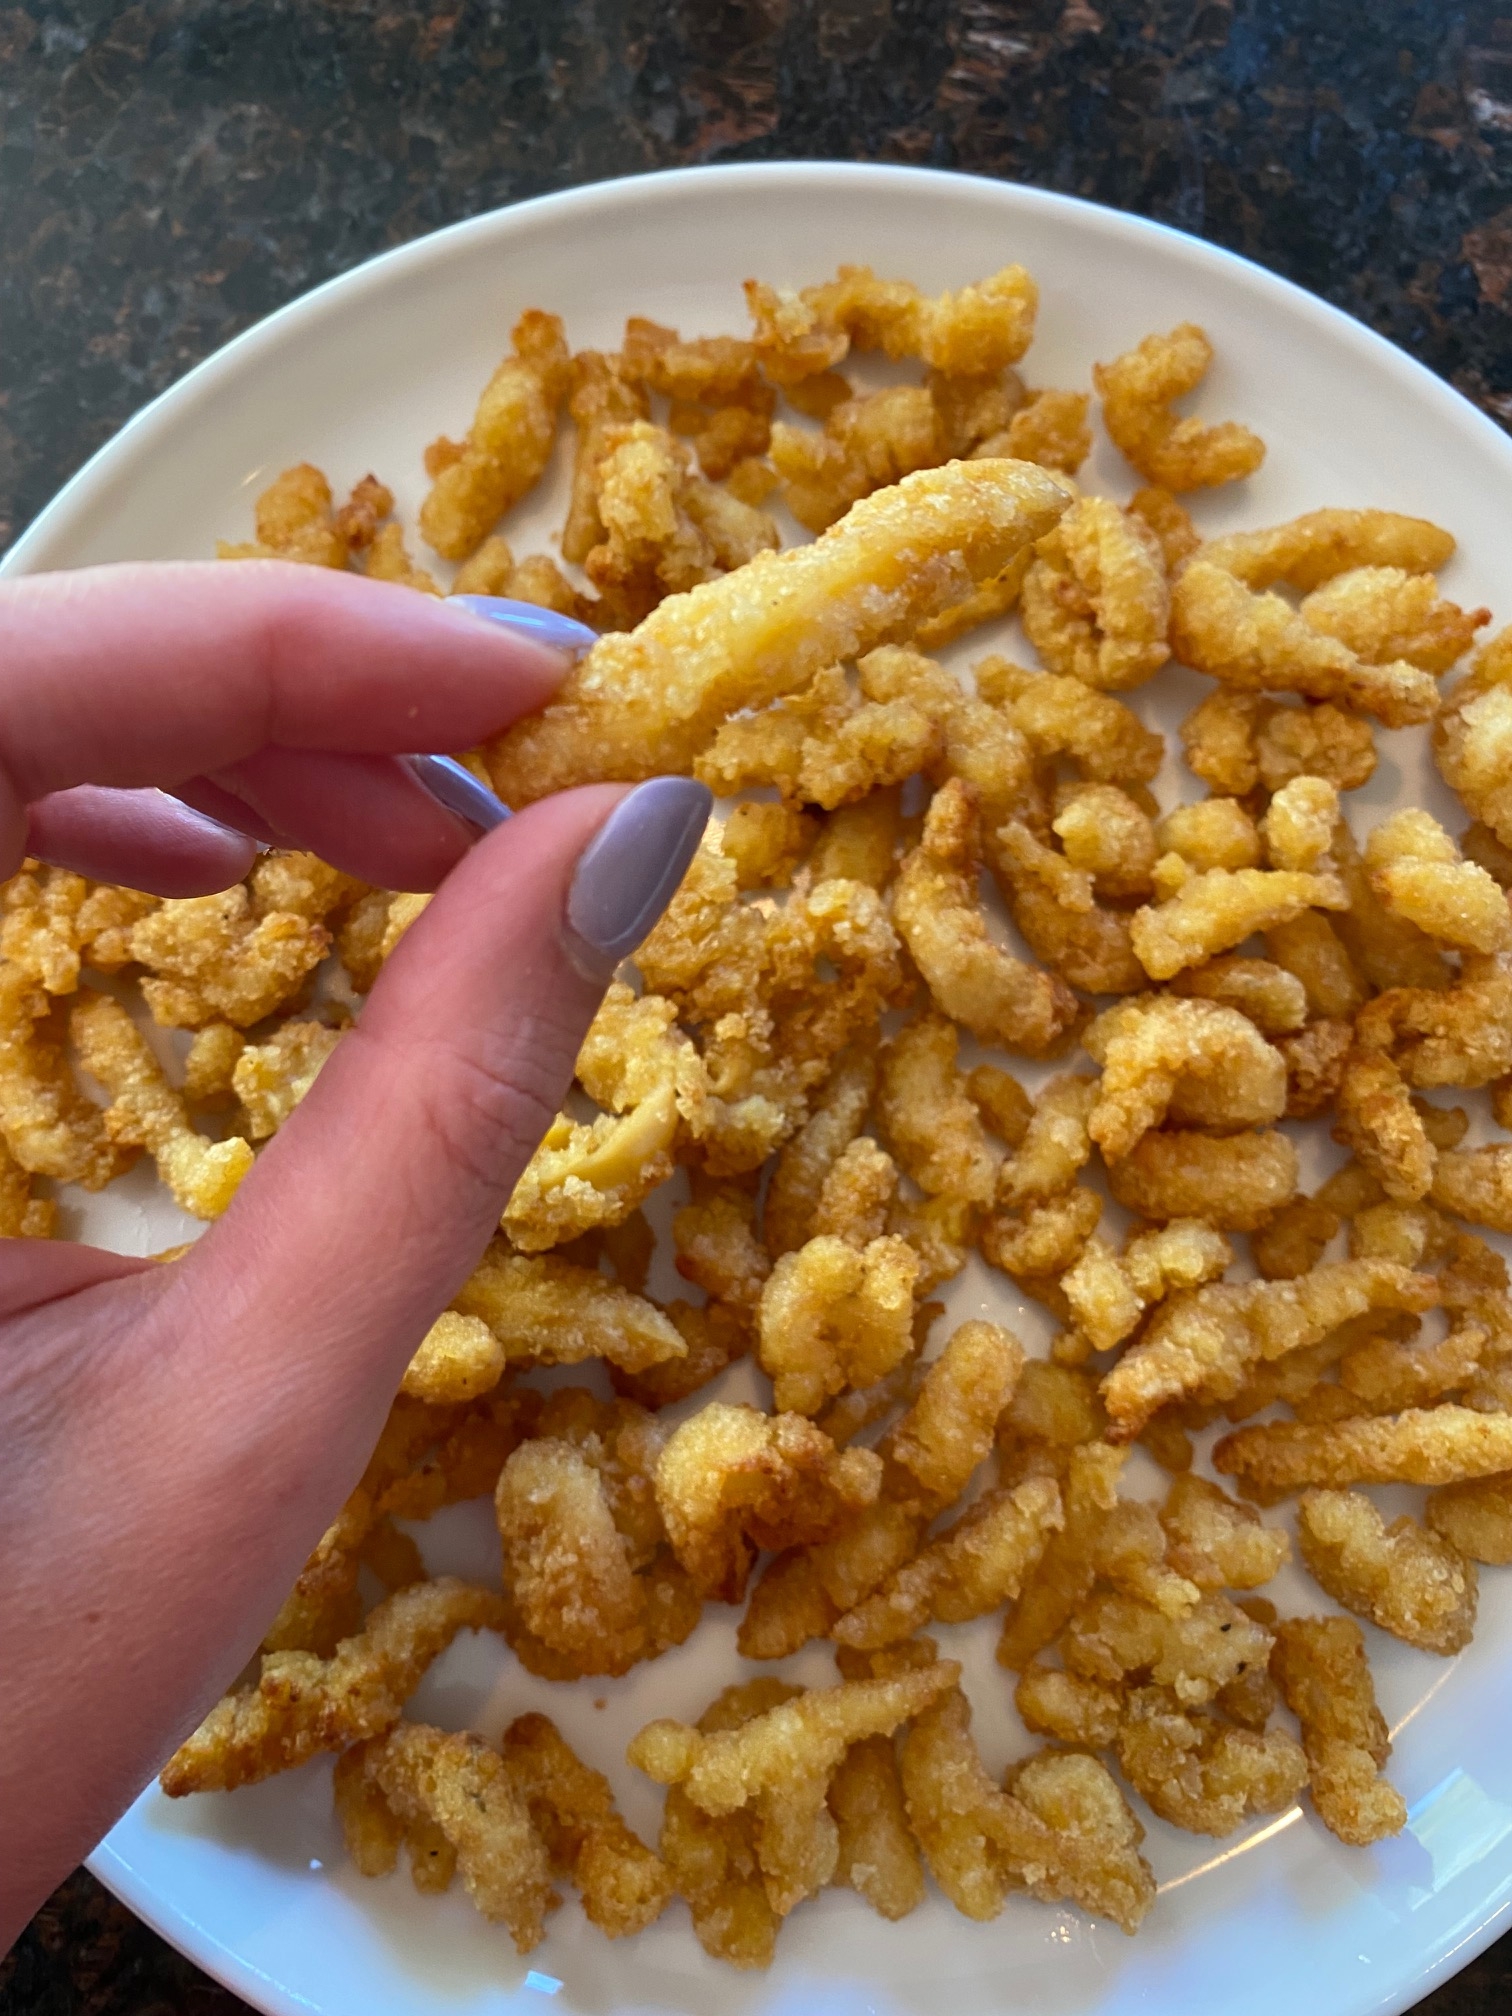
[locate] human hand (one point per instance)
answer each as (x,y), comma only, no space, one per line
(174,1439)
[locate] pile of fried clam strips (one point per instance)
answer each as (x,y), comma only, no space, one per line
(979,989)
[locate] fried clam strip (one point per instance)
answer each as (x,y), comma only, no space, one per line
(1476,1517)
(1476,1183)
(1319,1664)
(1432,1445)
(1063,1830)
(548,1311)
(877,1854)
(1472,737)
(146,1111)
(1203,1344)
(999,998)
(624,1886)
(22,1216)
(733,1480)
(936,1444)
(1457,1035)
(1377,1119)
(456,1797)
(48,1125)
(1198,1770)
(780,1763)
(927,1117)
(224,958)
(1234,741)
(300,1704)
(1109,1292)
(1256,642)
(1067,1568)
(975,1565)
(1408,1580)
(1234,1181)
(1217,908)
(1195,1061)
(1138,390)
(53,921)
(507,446)
(646,703)
(833,1316)
(1095,604)
(270,1079)
(835,1120)
(1417,871)
(976,330)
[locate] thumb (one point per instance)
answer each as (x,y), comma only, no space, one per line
(371,1206)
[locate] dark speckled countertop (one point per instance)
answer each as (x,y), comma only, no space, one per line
(170,172)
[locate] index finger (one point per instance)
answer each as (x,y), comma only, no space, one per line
(152,674)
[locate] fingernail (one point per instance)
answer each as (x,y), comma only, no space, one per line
(630,868)
(453,785)
(527,619)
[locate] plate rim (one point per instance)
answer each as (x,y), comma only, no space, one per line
(138,436)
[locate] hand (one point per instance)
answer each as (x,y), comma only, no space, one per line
(173,1440)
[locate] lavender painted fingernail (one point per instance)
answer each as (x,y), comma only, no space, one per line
(453,785)
(630,868)
(528,619)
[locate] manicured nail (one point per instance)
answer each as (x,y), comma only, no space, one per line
(453,785)
(630,868)
(527,619)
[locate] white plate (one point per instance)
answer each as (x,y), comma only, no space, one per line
(360,375)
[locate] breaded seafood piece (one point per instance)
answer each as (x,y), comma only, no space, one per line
(216,957)
(780,1764)
(999,998)
(1095,603)
(867,442)
(1298,826)
(1472,737)
(1383,613)
(1196,1061)
(1138,391)
(1404,1578)
(548,1311)
(804,1163)
(48,1126)
(1417,871)
(1063,1830)
(1170,521)
(1057,1143)
(1256,642)
(1108,834)
(592,1173)
(294,520)
(1200,1772)
(1307,551)
(833,1316)
(1455,1035)
(1062,716)
(22,1216)
(1273,998)
(147,1112)
(1200,1345)
(624,1886)
(271,1078)
(508,444)
(1116,1638)
(457,1788)
(927,1117)
(1232,1181)
(732,1480)
(1319,1665)
(1476,1183)
(1432,1445)
(948,1430)
(979,329)
(1378,1120)
(1219,1543)
(1476,1517)
(642,704)
(458,1359)
(978,1563)
(878,1856)
(1109,1292)
(1218,908)
(1089,1492)
(301,1705)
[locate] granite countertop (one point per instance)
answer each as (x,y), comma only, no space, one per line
(170,172)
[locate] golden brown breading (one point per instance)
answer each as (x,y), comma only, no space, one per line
(1233,1181)
(1319,1665)
(1410,1581)
(833,1316)
(1433,1445)
(1095,604)
(1138,390)
(1199,1771)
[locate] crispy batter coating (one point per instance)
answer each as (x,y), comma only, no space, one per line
(1062,716)
(647,703)
(1200,1772)
(798,1179)
(1475,1517)
(22,1216)
(508,444)
(49,1127)
(216,958)
(733,1480)
(1037,1243)
(1170,521)
(294,520)
(1217,1542)
(1103,831)
(301,1704)
(1405,1578)
(857,842)
(1057,1142)
(780,1763)
(978,1563)
(1055,1703)
(1052,904)
(1383,613)
(1234,1181)
(1378,1120)
(1476,1183)
(1049,428)
(1095,603)
(1274,999)
(1472,737)
(1138,390)
(624,1886)
(767,843)
(1416,870)
(878,1857)
(271,1078)
(146,1111)
(1116,1638)
(1197,1061)
(833,1316)
(1256,642)
(1298,826)
(999,998)
(1063,1830)
(1319,1665)
(1307,551)
(1433,1445)
(949,1429)
(459,1358)
(1218,908)
(858,1195)
(1457,1035)
(548,1311)
(1201,1344)
(460,1789)
(969,333)
(926,1116)
(868,442)
(1067,1567)
(1108,1293)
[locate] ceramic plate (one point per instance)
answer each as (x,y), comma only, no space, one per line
(360,375)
